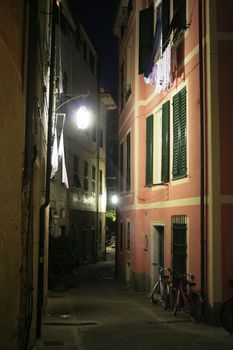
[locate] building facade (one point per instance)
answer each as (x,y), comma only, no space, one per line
(78,200)
(175,168)
(26,78)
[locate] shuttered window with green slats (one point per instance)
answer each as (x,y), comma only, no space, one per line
(149,150)
(165,23)
(146,32)
(179,168)
(165,142)
(128,165)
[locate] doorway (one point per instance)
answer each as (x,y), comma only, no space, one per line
(157,251)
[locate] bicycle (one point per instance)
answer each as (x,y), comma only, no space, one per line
(190,299)
(226,314)
(160,291)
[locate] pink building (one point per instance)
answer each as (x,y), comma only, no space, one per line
(175,143)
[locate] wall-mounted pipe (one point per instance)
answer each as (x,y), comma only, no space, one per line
(202,150)
(40,295)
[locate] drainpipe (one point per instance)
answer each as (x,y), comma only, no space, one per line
(40,296)
(97,171)
(31,91)
(202,151)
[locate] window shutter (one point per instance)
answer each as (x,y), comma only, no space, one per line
(183,165)
(146,30)
(149,149)
(165,22)
(165,141)
(179,16)
(179,247)
(175,168)
(128,172)
(179,134)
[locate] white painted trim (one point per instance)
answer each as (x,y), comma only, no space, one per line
(184,202)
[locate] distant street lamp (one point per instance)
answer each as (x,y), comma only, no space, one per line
(114,199)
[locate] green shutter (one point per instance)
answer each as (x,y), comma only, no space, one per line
(183,161)
(165,22)
(179,17)
(175,168)
(165,141)
(121,166)
(128,172)
(149,149)
(179,135)
(146,32)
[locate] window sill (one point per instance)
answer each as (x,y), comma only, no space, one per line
(180,180)
(157,184)
(179,177)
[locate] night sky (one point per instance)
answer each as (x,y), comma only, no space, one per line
(98,17)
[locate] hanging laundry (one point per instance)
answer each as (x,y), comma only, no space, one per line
(61,154)
(167,71)
(152,78)
(64,172)
(54,158)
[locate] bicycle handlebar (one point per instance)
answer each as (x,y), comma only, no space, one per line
(185,277)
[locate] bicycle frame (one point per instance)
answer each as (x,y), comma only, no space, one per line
(185,296)
(160,291)
(192,299)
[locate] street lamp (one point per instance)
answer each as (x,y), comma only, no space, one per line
(82,114)
(82,118)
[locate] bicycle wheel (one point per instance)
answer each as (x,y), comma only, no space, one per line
(196,307)
(159,295)
(156,295)
(177,303)
(165,297)
(227,316)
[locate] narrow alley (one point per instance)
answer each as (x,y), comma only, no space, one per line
(97,312)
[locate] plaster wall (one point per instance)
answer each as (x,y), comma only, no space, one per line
(11,160)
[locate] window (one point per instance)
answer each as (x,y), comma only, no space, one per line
(85,183)
(128,242)
(149,150)
(160,166)
(165,23)
(128,164)
(165,142)
(157,147)
(146,33)
(121,166)
(179,244)
(128,77)
(178,22)
(101,182)
(93,179)
(76,181)
(179,135)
